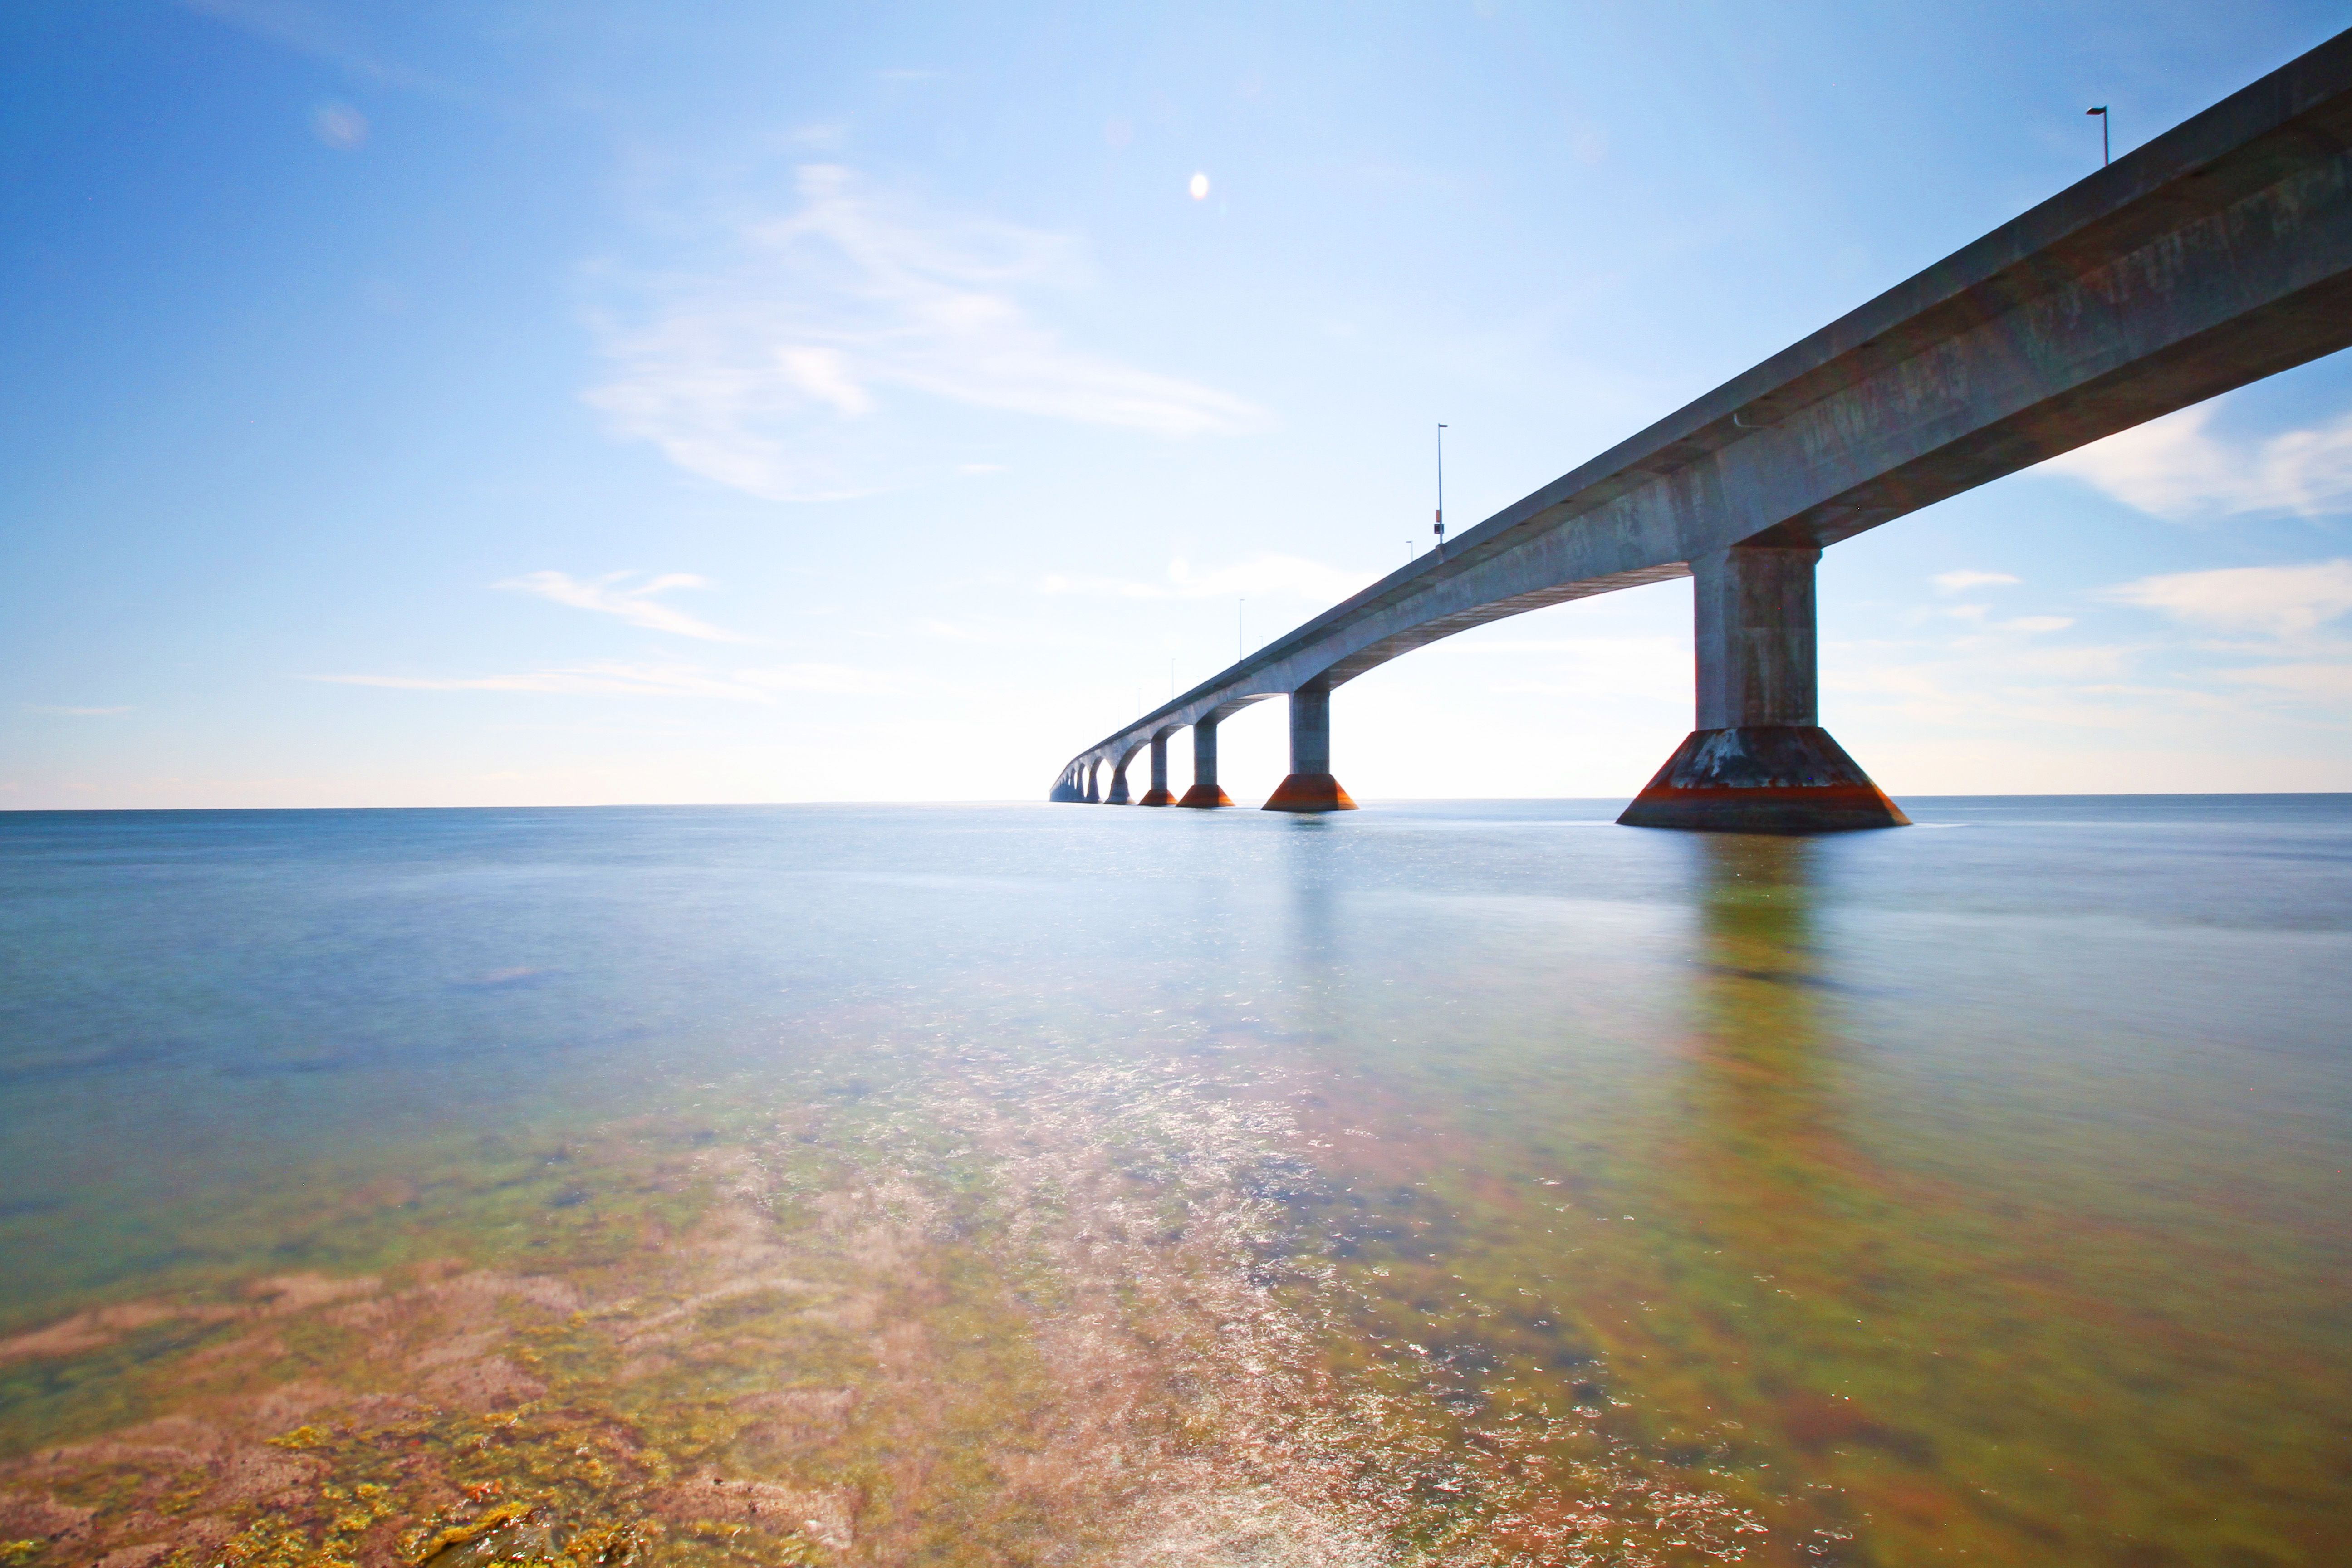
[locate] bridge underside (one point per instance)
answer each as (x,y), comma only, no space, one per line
(1374,655)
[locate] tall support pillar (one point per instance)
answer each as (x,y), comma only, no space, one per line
(1204,791)
(1759,761)
(1310,786)
(1158,794)
(1094,781)
(1118,795)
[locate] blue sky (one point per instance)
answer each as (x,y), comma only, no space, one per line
(482,403)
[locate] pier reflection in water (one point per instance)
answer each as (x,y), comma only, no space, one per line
(1438,1184)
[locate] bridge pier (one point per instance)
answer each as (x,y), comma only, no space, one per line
(1118,795)
(1759,761)
(1065,788)
(1309,785)
(1094,783)
(1158,794)
(1204,791)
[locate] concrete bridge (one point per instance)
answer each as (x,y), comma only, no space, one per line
(2218,254)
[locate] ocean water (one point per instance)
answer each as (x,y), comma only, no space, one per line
(1463,1183)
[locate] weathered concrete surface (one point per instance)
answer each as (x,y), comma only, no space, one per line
(1790,778)
(1752,619)
(2216,255)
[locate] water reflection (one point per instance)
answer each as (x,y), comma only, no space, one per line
(1788,1234)
(1307,851)
(1761,1137)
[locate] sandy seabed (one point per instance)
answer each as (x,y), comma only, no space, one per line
(1008,1317)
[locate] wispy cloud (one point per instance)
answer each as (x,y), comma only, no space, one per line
(1259,578)
(1961,582)
(2319,682)
(2177,467)
(2271,647)
(749,370)
(1972,683)
(670,680)
(1981,617)
(639,605)
(2282,601)
(74,712)
(314,31)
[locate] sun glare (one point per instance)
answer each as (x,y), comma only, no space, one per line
(1200,187)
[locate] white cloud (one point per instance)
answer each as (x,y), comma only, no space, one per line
(1983,683)
(637,606)
(2274,654)
(1961,582)
(2175,467)
(1259,578)
(750,370)
(1980,617)
(2330,683)
(611,679)
(2283,601)
(573,681)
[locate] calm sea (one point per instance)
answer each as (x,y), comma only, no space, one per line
(1442,1182)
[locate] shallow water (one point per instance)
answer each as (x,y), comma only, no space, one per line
(1462,1183)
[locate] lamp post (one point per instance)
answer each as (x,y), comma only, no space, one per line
(2106,156)
(1439,529)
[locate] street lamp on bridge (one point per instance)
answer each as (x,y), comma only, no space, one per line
(1439,529)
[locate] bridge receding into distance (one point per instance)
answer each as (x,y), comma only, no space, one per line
(2216,255)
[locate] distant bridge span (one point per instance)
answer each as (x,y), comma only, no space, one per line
(2216,255)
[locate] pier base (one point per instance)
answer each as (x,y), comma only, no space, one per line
(1205,790)
(1309,785)
(1308,792)
(1158,794)
(1762,778)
